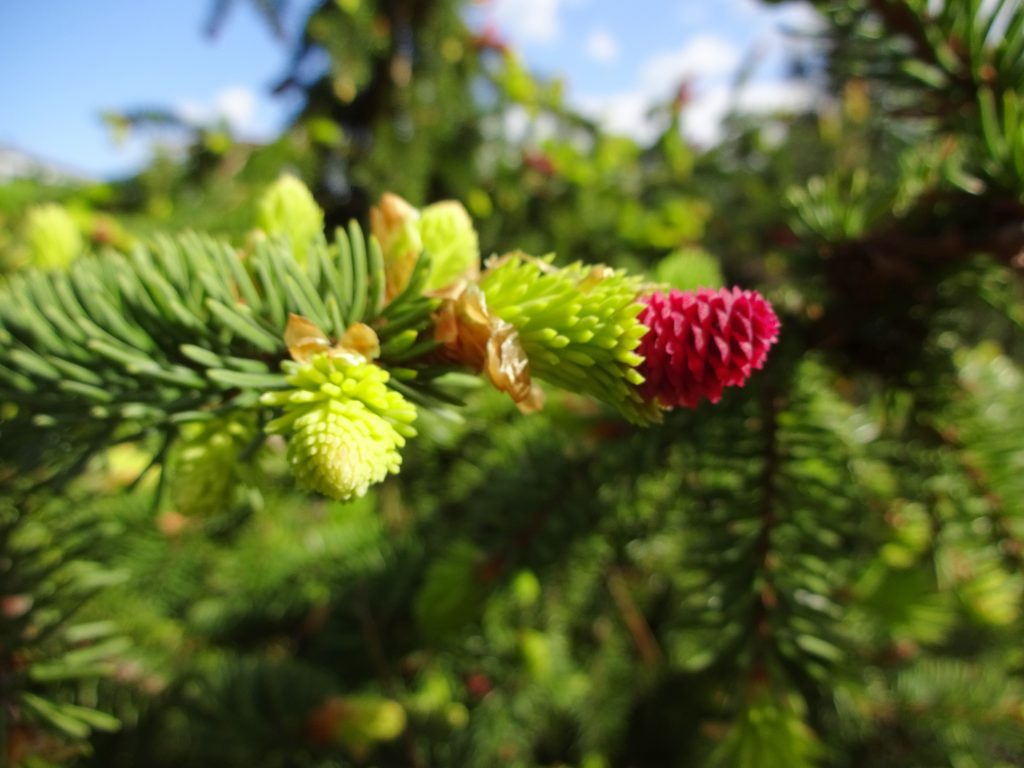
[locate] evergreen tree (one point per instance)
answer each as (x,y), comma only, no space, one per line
(813,559)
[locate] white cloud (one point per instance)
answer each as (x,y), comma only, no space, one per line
(792,15)
(530,21)
(778,96)
(709,63)
(703,56)
(624,112)
(776,27)
(602,46)
(702,122)
(703,59)
(236,105)
(797,17)
(743,8)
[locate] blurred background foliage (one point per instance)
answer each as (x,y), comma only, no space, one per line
(822,570)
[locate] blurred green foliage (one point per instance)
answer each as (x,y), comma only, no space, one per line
(823,569)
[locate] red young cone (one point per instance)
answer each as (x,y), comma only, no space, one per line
(701,341)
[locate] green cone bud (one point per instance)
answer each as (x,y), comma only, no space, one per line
(688,269)
(288,208)
(52,237)
(444,230)
(578,326)
(395,224)
(341,448)
(356,722)
(204,475)
(345,426)
(447,234)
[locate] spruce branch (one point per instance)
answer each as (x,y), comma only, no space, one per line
(47,575)
(188,330)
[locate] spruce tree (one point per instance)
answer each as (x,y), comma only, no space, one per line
(278,497)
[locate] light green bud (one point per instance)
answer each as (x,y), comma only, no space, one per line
(204,475)
(688,269)
(447,234)
(288,208)
(578,325)
(51,236)
(345,426)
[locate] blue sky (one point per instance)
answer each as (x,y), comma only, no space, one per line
(64,61)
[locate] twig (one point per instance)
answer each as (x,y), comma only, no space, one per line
(635,622)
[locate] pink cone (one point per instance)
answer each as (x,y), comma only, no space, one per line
(702,341)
